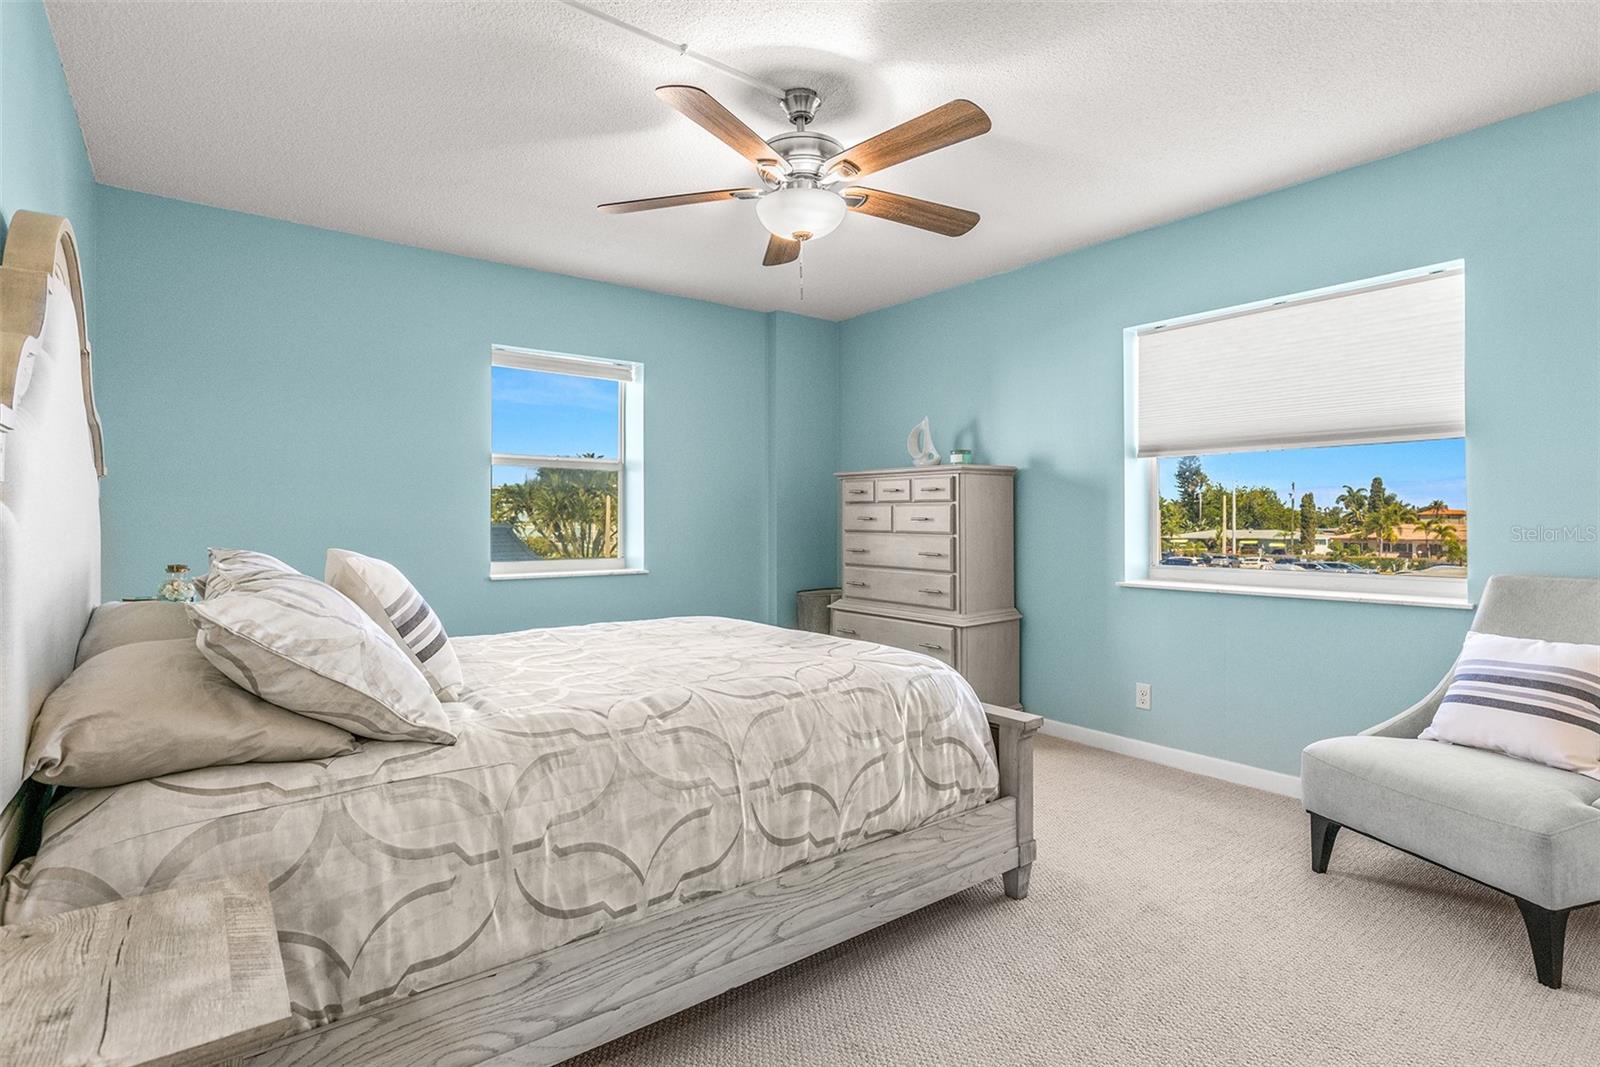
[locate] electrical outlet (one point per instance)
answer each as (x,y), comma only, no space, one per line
(1141,695)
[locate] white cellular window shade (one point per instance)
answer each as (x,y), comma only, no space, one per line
(577,365)
(1382,362)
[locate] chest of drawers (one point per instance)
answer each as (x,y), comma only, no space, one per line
(929,565)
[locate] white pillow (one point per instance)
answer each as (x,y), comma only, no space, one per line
(303,645)
(391,601)
(230,565)
(1535,700)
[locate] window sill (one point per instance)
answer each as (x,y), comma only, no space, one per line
(1403,599)
(605,572)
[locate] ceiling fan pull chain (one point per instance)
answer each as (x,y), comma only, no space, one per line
(801,259)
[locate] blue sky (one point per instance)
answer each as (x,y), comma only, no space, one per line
(536,413)
(1418,471)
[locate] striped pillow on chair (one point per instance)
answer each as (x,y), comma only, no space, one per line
(1535,700)
(394,604)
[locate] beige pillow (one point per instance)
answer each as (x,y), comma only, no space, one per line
(391,601)
(157,707)
(305,646)
(126,623)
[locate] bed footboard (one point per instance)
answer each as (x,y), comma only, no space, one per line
(1013,745)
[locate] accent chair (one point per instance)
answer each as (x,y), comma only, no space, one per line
(1527,830)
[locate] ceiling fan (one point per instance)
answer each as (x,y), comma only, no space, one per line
(805,174)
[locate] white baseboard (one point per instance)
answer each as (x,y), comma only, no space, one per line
(1238,773)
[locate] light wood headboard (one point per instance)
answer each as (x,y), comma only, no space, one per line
(51,458)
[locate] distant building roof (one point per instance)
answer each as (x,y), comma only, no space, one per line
(1242,535)
(1444,513)
(506,547)
(1405,531)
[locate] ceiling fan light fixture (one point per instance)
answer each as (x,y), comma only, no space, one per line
(787,213)
(804,171)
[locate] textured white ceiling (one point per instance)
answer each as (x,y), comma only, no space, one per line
(492,129)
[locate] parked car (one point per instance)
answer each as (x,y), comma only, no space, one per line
(1256,563)
(1180,561)
(1221,561)
(1346,568)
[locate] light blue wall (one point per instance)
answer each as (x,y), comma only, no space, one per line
(289,388)
(804,543)
(43,165)
(1026,368)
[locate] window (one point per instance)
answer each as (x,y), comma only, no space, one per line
(566,479)
(1310,444)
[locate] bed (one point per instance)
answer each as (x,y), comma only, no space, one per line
(636,816)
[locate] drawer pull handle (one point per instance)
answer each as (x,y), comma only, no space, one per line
(859,585)
(859,551)
(932,592)
(936,648)
(921,518)
(866,518)
(894,490)
(930,555)
(858,492)
(843,630)
(931,489)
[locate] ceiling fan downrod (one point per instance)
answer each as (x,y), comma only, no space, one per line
(801,105)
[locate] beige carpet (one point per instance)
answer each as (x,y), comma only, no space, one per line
(1173,919)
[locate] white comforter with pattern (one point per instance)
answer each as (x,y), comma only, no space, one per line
(603,773)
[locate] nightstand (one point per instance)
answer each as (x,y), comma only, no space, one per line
(183,976)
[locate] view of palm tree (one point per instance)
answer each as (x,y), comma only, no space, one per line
(560,514)
(542,504)
(1364,529)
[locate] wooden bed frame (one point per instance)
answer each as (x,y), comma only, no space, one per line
(559,1003)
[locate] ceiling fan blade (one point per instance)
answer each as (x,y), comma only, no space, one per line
(908,210)
(650,203)
(780,250)
(700,107)
(940,128)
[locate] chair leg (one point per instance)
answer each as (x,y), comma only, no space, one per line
(1547,935)
(1323,831)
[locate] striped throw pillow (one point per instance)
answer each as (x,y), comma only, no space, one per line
(300,644)
(1535,700)
(394,604)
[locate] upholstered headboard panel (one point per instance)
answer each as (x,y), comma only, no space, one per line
(50,462)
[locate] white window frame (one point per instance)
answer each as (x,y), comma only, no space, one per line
(1142,496)
(629,464)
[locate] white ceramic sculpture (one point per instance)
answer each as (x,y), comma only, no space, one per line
(920,445)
